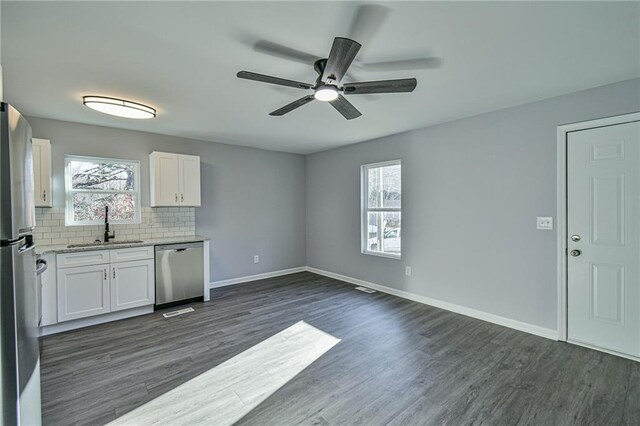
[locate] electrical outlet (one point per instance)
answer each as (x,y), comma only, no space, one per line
(256,259)
(407,271)
(544,223)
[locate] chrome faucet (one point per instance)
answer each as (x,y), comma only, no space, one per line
(107,237)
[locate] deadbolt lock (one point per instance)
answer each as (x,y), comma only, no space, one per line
(575,253)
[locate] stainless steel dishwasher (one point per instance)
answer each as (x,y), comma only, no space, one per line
(179,274)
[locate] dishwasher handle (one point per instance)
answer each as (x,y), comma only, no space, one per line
(179,247)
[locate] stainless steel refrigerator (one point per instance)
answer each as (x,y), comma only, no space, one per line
(19,294)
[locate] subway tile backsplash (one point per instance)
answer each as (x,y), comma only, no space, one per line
(156,223)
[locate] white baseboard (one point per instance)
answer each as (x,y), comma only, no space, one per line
(249,278)
(463,310)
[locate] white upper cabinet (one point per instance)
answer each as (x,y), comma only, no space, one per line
(189,166)
(42,172)
(165,182)
(175,179)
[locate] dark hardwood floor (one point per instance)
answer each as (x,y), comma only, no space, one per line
(399,363)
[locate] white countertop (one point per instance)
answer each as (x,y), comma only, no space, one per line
(63,248)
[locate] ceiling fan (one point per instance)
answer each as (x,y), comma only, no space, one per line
(327,87)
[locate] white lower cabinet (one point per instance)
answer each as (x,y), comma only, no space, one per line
(132,284)
(83,292)
(49,291)
(89,290)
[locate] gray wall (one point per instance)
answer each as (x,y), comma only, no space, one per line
(252,199)
(472,189)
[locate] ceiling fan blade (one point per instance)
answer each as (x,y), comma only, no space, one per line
(366,21)
(293,105)
(382,86)
(345,108)
(273,80)
(280,51)
(343,52)
(406,64)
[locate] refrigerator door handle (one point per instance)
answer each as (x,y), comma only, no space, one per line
(27,247)
(8,243)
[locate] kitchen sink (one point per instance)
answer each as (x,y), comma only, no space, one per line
(100,243)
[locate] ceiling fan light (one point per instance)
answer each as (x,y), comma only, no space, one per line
(326,93)
(119,107)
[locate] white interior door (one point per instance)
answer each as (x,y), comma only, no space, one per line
(603,227)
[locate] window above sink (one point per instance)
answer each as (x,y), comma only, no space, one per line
(93,183)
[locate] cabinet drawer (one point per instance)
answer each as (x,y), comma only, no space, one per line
(133,253)
(82,258)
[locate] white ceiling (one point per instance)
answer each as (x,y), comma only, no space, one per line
(182,58)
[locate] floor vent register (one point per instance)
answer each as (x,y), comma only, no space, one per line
(178,312)
(365,289)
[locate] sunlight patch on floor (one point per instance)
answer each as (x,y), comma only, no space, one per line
(227,392)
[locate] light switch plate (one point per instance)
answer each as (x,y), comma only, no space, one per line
(544,223)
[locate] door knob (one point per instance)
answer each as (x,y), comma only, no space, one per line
(575,237)
(575,253)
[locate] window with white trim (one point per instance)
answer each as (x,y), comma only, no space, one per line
(91,184)
(381,186)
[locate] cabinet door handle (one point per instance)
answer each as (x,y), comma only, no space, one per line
(105,274)
(182,198)
(176,197)
(44,195)
(114,272)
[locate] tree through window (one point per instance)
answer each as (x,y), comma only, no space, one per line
(91,184)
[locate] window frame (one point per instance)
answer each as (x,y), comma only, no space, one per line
(69,191)
(365,209)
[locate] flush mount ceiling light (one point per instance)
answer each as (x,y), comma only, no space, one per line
(119,107)
(326,93)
